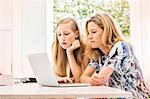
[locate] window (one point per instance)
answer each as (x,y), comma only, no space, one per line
(81,9)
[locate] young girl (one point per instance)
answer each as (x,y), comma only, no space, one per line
(67,51)
(111,59)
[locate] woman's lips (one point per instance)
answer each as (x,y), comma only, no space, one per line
(92,41)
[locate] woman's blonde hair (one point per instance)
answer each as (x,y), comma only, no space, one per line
(111,34)
(59,54)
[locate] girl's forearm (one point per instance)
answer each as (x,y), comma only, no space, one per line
(75,68)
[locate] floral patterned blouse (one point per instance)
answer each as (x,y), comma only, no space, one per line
(127,74)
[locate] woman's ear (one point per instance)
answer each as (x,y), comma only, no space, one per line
(77,38)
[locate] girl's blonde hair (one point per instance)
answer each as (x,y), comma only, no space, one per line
(111,34)
(59,54)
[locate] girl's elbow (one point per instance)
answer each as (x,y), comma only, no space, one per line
(82,78)
(77,80)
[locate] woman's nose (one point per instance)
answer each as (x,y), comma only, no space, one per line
(89,36)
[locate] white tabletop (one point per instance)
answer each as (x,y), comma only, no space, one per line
(33,90)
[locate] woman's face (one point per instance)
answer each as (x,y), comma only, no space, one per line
(94,35)
(65,35)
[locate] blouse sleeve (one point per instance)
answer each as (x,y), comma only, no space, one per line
(117,56)
(93,63)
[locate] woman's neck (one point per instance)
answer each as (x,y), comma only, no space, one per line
(104,49)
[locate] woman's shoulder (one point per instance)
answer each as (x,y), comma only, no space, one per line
(120,44)
(120,47)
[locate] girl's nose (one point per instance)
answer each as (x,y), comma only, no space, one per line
(63,38)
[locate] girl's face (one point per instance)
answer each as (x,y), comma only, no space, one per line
(66,35)
(94,35)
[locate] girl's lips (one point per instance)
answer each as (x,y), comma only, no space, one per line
(63,43)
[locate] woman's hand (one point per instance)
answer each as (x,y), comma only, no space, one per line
(65,80)
(75,45)
(101,77)
(97,79)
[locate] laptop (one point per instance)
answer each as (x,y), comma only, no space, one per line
(44,72)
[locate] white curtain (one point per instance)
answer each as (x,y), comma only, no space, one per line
(140,32)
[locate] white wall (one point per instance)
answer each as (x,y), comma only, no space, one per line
(25,28)
(5,14)
(17,32)
(5,36)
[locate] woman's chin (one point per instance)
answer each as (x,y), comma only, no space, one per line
(94,46)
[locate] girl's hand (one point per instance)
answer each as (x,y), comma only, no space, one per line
(75,45)
(65,80)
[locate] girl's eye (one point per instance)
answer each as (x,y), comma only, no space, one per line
(93,31)
(67,33)
(59,34)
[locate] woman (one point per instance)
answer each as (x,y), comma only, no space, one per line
(67,51)
(111,60)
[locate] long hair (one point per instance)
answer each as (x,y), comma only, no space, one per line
(111,34)
(59,54)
